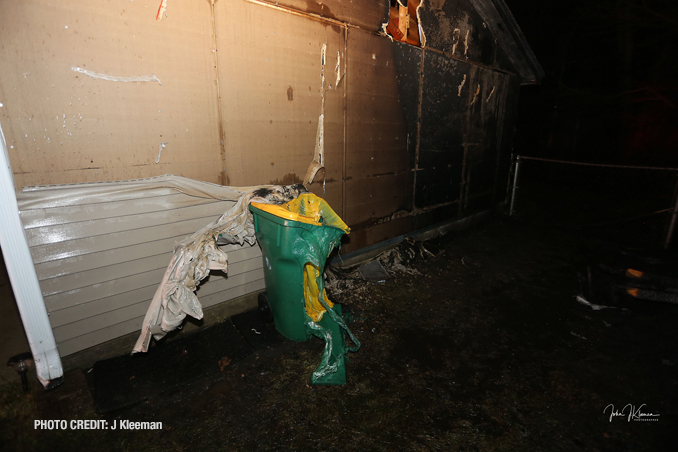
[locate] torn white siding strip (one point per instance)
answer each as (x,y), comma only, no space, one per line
(422,36)
(24,279)
(317,162)
(337,69)
(160,148)
(96,75)
(461,85)
(37,197)
(384,29)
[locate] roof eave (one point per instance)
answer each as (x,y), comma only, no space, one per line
(502,24)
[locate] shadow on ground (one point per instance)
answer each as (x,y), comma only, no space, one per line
(484,349)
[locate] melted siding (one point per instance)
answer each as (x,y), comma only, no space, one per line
(100,261)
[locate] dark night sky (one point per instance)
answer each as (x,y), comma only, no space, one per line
(610,93)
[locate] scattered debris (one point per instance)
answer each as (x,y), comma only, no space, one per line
(224,362)
(577,335)
(400,259)
(374,272)
(466,262)
(595,307)
(653,295)
(604,283)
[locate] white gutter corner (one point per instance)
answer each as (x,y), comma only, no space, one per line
(24,279)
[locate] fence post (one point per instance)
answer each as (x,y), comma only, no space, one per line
(515,185)
(674,215)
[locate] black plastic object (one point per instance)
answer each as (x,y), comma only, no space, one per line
(21,363)
(265,307)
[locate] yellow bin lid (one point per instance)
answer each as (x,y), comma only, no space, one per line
(307,208)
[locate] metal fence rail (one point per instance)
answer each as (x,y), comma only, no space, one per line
(619,176)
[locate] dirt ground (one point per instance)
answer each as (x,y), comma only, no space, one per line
(483,348)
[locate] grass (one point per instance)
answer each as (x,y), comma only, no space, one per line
(473,353)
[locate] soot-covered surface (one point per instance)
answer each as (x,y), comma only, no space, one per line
(484,349)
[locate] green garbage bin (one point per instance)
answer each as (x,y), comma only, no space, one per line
(296,238)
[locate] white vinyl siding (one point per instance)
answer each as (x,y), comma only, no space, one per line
(100,261)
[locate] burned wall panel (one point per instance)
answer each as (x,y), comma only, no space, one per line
(503,61)
(482,139)
(487,89)
(480,177)
(436,215)
(376,233)
(367,14)
(408,63)
(456,28)
(376,135)
(486,113)
(331,190)
(444,110)
(377,171)
(272,94)
(443,118)
(328,180)
(374,198)
(64,126)
(437,185)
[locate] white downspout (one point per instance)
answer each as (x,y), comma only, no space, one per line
(24,279)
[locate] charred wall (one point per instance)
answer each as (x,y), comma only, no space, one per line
(459,97)
(410,135)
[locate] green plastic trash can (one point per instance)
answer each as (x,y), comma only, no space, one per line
(296,238)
